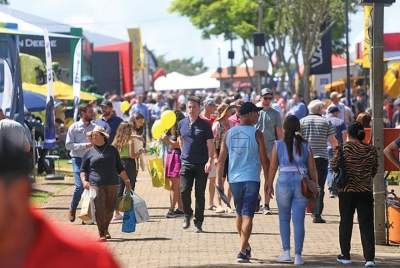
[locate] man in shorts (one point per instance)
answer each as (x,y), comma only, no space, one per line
(246,149)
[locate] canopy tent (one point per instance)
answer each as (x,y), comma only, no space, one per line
(177,81)
(10,24)
(61,90)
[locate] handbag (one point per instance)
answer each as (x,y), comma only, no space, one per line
(309,188)
(340,178)
(88,210)
(125,202)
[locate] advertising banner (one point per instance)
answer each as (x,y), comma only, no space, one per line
(77,77)
(49,127)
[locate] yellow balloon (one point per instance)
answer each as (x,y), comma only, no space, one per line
(157,130)
(168,119)
(124,106)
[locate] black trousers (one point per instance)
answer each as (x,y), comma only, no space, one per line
(193,174)
(364,203)
(322,169)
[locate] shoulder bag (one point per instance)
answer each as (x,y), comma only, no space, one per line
(340,178)
(309,188)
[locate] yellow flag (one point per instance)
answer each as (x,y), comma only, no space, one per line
(366,61)
(137,48)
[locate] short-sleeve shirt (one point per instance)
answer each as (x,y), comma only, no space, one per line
(340,127)
(194,136)
(316,130)
(269,120)
(102,165)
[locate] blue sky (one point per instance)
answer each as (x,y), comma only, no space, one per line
(162,31)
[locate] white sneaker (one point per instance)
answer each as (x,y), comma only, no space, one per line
(298,260)
(370,264)
(285,257)
(220,210)
(117,217)
(266,210)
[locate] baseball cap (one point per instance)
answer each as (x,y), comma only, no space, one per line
(333,109)
(266,91)
(106,103)
(249,107)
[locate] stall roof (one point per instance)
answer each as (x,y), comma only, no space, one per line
(177,81)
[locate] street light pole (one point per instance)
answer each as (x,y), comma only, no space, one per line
(377,72)
(348,82)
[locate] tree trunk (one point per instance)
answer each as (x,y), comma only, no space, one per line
(306,82)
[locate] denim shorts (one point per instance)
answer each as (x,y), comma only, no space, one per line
(245,196)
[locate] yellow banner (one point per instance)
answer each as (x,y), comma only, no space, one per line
(366,61)
(137,48)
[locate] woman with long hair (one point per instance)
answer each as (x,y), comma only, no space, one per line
(124,141)
(294,158)
(360,163)
(101,166)
(172,168)
(220,127)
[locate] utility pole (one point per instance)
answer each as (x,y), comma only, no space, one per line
(376,76)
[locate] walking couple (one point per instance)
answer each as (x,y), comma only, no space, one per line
(247,155)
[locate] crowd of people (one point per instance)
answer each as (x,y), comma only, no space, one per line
(225,140)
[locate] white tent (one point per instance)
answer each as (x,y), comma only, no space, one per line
(177,81)
(24,27)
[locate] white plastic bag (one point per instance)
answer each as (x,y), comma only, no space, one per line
(88,210)
(141,211)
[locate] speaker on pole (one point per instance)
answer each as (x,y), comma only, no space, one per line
(259,39)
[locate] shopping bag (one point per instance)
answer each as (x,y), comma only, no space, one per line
(140,208)
(156,170)
(129,221)
(124,203)
(88,209)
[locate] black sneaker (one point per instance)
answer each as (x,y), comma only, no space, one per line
(186,222)
(171,214)
(179,212)
(318,220)
(197,228)
(242,257)
(343,260)
(248,252)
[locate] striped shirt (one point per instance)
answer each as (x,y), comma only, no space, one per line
(360,165)
(316,130)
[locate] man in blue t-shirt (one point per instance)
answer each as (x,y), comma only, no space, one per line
(247,154)
(197,145)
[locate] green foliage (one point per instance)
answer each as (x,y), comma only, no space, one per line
(184,66)
(4,2)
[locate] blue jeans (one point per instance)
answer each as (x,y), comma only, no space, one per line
(76,197)
(291,204)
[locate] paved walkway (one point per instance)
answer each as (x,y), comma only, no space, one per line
(162,243)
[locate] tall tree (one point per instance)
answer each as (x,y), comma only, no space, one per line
(292,26)
(184,66)
(4,2)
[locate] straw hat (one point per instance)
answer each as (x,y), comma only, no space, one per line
(100,130)
(225,108)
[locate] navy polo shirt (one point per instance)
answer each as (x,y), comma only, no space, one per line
(113,122)
(194,140)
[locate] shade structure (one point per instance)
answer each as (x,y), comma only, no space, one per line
(62,91)
(175,81)
(35,102)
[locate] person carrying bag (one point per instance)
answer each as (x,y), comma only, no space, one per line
(294,158)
